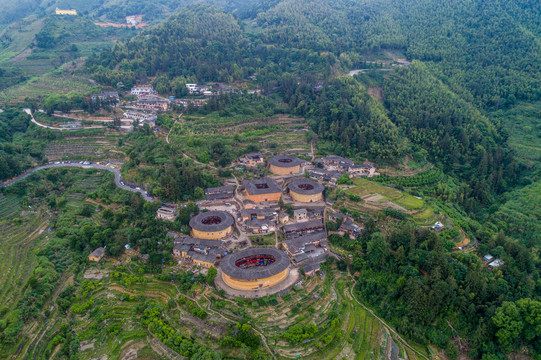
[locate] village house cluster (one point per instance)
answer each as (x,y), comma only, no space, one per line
(148,103)
(286,209)
(330,168)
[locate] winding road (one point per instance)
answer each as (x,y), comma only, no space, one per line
(29,112)
(118,176)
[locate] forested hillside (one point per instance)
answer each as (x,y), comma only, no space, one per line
(487,50)
(496,66)
(14,158)
(473,57)
(205,42)
(346,115)
(453,131)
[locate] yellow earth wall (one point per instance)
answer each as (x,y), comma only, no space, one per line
(216,235)
(264,197)
(254,284)
(277,170)
(306,198)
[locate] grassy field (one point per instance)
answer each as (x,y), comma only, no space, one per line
(365,187)
(263,240)
(375,197)
(98,146)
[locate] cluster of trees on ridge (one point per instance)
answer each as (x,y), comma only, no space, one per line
(411,280)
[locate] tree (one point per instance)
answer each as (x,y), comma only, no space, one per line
(211,275)
(377,251)
(509,323)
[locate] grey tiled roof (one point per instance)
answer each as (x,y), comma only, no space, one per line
(285,161)
(197,242)
(303,226)
(98,252)
(267,186)
(219,189)
(297,245)
(258,272)
(311,187)
(226,221)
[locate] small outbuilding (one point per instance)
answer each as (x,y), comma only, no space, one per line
(97,254)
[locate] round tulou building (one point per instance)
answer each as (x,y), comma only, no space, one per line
(211,225)
(306,190)
(255,268)
(285,165)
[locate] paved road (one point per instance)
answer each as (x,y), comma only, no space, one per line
(118,176)
(29,112)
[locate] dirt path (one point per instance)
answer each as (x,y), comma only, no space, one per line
(172,127)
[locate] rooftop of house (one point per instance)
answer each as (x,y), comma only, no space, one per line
(336,215)
(303,226)
(186,240)
(261,186)
(229,267)
(311,267)
(151,99)
(219,189)
(209,256)
(166,210)
(98,252)
(254,156)
(496,263)
(211,221)
(349,225)
(306,187)
(306,243)
(142,87)
(258,223)
(326,173)
(285,161)
(336,159)
(256,212)
(299,212)
(300,242)
(361,166)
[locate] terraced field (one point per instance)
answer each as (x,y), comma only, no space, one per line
(100,146)
(21,232)
(367,188)
(58,81)
(280,134)
(375,197)
(355,333)
(359,334)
